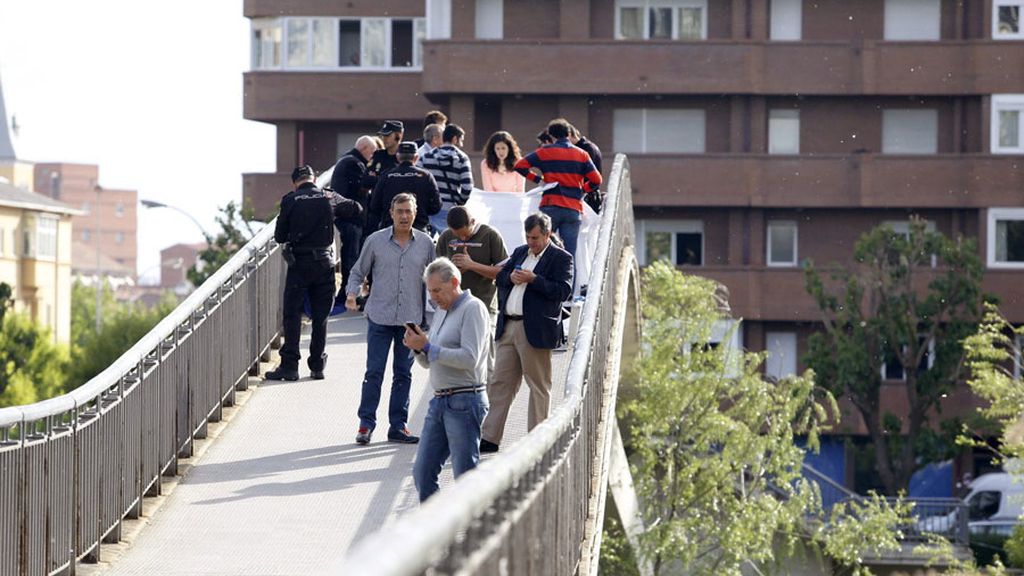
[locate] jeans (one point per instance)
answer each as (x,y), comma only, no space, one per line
(452,427)
(316,278)
(351,241)
(379,338)
(439,221)
(566,222)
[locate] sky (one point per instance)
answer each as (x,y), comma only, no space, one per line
(152,96)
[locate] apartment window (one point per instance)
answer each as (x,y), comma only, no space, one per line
(892,368)
(639,130)
(1018,362)
(786,19)
(1007,123)
(85,207)
(912,19)
(662,19)
(902,227)
(266,43)
(311,42)
(783,131)
(55,184)
(782,242)
(2,237)
(86,235)
(119,210)
(46,236)
(910,131)
(490,19)
(679,242)
(781,361)
(343,43)
(439,19)
(1006,22)
(1005,240)
(119,237)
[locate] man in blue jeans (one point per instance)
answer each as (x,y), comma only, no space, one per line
(396,256)
(571,174)
(456,354)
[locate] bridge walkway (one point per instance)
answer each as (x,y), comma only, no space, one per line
(285,489)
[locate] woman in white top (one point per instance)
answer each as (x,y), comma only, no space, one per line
(500,155)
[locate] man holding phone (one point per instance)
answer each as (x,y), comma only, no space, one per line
(396,256)
(532,285)
(477,250)
(455,351)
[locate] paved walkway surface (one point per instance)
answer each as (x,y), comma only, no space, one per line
(284,489)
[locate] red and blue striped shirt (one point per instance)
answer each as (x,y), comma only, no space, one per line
(568,166)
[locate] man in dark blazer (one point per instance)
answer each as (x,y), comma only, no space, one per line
(532,285)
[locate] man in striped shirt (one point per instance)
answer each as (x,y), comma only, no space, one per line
(572,174)
(453,173)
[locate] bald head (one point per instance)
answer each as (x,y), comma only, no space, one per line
(366,145)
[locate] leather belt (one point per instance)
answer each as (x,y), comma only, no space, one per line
(512,317)
(459,390)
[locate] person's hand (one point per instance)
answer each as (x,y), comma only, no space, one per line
(520,276)
(414,340)
(350,303)
(462,260)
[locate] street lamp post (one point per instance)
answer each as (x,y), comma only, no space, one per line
(155,204)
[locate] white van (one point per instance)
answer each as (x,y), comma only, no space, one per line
(994,506)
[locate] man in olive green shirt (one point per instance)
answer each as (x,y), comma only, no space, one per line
(477,250)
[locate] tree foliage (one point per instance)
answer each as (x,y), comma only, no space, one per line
(714,448)
(892,306)
(123,325)
(32,367)
(235,231)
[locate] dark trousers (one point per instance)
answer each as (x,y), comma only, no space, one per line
(351,242)
(315,278)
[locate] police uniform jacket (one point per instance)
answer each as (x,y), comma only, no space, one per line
(307,217)
(404,178)
(347,180)
(379,163)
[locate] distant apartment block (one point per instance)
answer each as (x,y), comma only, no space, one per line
(176,261)
(108,215)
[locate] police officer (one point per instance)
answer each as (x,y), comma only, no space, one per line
(306,225)
(404,178)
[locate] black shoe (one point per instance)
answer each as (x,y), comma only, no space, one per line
(317,374)
(280,373)
(487,447)
(403,436)
(363,436)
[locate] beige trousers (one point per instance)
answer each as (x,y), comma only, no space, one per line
(514,360)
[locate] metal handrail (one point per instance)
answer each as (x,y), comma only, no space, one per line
(128,361)
(431,534)
(82,462)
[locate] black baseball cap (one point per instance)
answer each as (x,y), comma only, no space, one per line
(391,126)
(303,172)
(408,148)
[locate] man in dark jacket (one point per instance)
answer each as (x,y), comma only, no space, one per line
(404,178)
(386,158)
(347,180)
(305,227)
(580,141)
(532,285)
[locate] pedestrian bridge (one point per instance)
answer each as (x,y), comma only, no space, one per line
(284,489)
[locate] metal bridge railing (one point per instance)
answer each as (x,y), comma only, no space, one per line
(73,466)
(530,510)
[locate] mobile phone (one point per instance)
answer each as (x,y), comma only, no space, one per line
(519,267)
(412,326)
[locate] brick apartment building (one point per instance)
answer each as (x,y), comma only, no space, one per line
(78,185)
(760,132)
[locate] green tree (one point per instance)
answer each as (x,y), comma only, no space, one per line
(122,326)
(235,232)
(715,458)
(990,352)
(892,308)
(32,367)
(6,300)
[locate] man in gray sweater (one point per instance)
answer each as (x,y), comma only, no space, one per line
(455,351)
